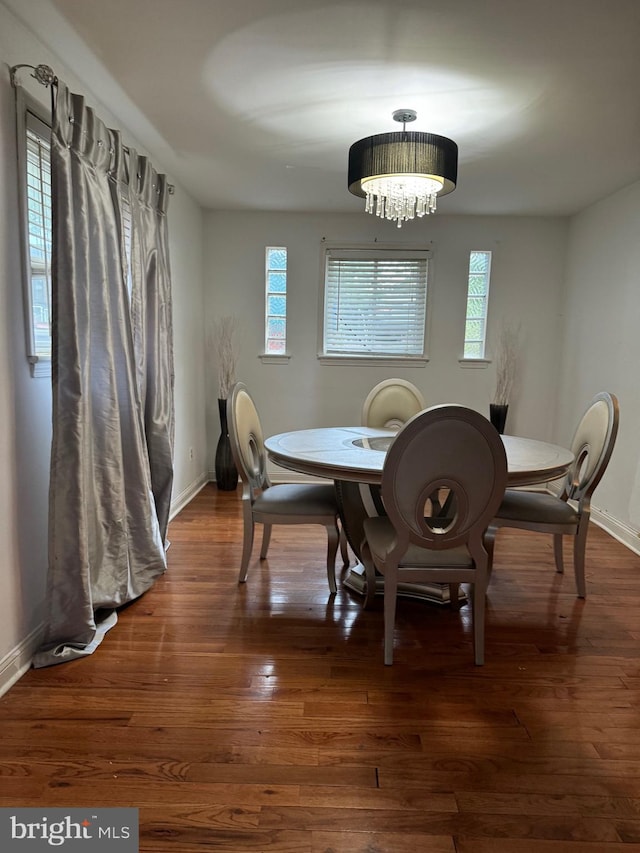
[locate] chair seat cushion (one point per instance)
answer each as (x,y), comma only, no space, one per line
(536,507)
(381,536)
(297,499)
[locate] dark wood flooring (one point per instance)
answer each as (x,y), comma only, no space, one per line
(261,717)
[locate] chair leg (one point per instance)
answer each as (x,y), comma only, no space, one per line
(390,596)
(579,553)
(489,544)
(333,537)
(557,552)
(266,539)
(247,542)
(344,549)
(370,574)
(454,596)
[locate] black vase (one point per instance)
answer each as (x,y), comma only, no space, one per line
(226,471)
(498,415)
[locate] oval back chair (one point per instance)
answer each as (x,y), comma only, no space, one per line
(283,503)
(568,514)
(391,403)
(456,453)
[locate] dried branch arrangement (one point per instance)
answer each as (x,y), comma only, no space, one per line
(507,362)
(224,343)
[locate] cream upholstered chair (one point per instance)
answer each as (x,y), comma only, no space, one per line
(287,503)
(455,451)
(391,403)
(568,514)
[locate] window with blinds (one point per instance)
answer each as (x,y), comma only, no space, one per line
(37,195)
(34,184)
(375,302)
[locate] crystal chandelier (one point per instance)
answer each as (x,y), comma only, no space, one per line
(402,174)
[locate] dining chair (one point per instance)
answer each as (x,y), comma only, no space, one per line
(283,503)
(568,513)
(391,403)
(454,451)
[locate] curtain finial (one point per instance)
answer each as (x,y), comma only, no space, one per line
(42,73)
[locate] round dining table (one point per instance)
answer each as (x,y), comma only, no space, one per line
(353,457)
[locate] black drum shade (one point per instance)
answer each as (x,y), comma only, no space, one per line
(401,173)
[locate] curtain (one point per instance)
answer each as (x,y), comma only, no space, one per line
(112,377)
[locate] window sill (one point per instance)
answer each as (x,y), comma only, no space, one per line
(270,358)
(40,367)
(474,362)
(391,361)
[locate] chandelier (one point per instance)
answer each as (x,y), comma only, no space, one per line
(401,174)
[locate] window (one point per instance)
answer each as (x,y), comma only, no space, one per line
(34,148)
(375,302)
(477,303)
(276,301)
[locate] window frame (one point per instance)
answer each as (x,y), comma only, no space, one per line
(26,104)
(482,360)
(377,250)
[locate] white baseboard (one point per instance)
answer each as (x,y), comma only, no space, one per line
(187,495)
(16,662)
(622,532)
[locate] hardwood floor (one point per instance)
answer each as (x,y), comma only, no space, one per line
(261,717)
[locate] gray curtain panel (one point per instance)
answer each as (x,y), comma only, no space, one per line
(112,375)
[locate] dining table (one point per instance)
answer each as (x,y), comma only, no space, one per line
(353,457)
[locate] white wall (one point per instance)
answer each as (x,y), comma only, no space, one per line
(526,284)
(186,240)
(601,344)
(25,402)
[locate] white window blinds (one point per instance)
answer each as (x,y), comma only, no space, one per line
(375,302)
(38,226)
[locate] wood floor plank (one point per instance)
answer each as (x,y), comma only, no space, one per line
(379,842)
(468,844)
(260,717)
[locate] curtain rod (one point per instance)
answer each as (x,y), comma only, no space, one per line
(44,74)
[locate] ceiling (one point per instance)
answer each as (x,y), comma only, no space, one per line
(253,104)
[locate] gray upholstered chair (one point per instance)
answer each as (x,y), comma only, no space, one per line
(267,504)
(451,450)
(568,514)
(391,403)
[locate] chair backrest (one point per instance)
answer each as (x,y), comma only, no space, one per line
(245,436)
(391,403)
(592,446)
(446,449)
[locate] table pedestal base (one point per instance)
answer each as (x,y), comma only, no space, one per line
(434,593)
(358,501)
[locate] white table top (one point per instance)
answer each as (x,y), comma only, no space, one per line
(357,454)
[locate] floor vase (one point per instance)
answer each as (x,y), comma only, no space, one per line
(226,471)
(498,415)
